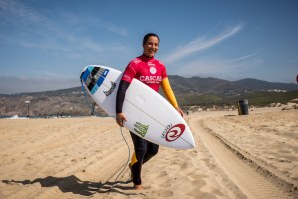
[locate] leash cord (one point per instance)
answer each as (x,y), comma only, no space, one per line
(128,148)
(128,158)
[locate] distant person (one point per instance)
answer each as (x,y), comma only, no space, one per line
(153,73)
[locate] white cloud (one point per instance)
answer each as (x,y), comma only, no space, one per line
(231,69)
(116,29)
(33,29)
(200,44)
(245,57)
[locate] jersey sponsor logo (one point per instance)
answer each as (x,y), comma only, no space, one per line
(151,64)
(150,79)
(141,129)
(172,133)
(153,70)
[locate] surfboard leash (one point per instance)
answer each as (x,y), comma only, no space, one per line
(127,162)
(121,132)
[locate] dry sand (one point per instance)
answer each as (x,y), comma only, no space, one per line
(252,156)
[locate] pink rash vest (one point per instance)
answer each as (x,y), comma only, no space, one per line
(150,71)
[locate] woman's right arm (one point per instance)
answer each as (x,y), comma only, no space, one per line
(120,117)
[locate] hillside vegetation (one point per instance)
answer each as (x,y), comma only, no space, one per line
(195,91)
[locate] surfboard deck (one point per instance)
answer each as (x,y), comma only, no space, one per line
(148,114)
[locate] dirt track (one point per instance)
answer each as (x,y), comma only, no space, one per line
(248,180)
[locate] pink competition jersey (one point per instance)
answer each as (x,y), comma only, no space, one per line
(148,70)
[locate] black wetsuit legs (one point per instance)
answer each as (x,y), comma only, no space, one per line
(144,151)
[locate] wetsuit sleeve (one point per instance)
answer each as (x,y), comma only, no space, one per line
(123,86)
(166,87)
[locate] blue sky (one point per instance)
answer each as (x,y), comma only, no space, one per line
(44,44)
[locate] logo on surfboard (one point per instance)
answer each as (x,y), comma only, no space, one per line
(94,77)
(141,129)
(172,133)
(109,92)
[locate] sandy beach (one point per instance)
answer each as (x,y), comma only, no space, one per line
(251,156)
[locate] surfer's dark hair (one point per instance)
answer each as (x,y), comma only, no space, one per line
(146,37)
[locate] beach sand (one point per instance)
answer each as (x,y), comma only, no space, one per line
(251,156)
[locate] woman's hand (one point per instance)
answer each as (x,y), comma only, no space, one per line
(120,117)
(180,111)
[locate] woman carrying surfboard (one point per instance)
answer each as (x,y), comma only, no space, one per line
(153,73)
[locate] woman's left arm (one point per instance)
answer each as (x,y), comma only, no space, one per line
(166,87)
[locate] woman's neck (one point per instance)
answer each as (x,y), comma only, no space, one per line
(147,56)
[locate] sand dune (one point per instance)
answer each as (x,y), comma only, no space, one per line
(252,156)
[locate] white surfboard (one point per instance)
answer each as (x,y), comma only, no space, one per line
(148,114)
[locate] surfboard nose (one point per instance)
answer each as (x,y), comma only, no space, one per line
(192,144)
(185,142)
(189,141)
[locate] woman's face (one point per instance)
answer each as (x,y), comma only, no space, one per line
(151,46)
